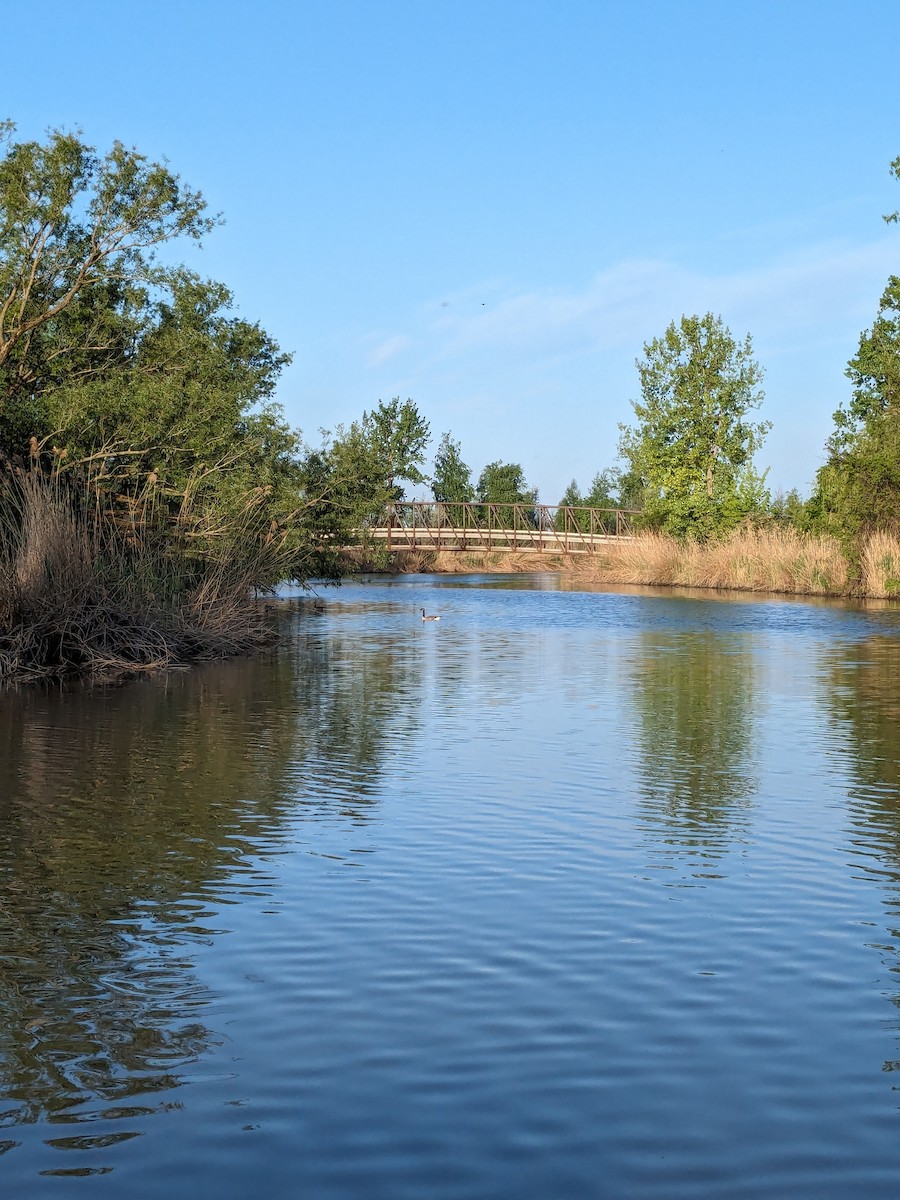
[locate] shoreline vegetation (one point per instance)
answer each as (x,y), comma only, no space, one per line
(781,560)
(84,593)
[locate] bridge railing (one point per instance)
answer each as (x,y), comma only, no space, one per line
(458,525)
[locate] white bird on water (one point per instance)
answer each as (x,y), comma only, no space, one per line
(429,617)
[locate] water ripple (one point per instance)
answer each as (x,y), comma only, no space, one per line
(573,894)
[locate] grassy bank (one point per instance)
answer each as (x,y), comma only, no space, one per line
(766,560)
(84,593)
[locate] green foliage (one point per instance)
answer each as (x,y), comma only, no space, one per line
(501,484)
(604,489)
(874,371)
(452,480)
(572,496)
(895,171)
(399,436)
(574,514)
(789,508)
(693,445)
(135,379)
(346,484)
(78,233)
(858,489)
(451,485)
(367,460)
(630,488)
(603,492)
(504,483)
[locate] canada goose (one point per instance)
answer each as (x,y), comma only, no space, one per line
(429,617)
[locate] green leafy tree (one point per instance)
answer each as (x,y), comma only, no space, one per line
(130,379)
(575,509)
(451,484)
(183,430)
(196,385)
(693,446)
(604,489)
(367,460)
(136,373)
(572,514)
(631,491)
(858,489)
(78,235)
(789,508)
(399,436)
(501,485)
(572,496)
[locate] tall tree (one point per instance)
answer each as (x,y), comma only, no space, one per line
(858,488)
(602,495)
(502,485)
(78,235)
(132,370)
(367,460)
(604,489)
(399,436)
(451,484)
(693,445)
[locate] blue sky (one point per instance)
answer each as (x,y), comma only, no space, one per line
(491,206)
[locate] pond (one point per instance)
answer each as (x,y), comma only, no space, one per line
(568,894)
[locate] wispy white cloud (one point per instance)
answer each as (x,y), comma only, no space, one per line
(515,370)
(630,302)
(389,349)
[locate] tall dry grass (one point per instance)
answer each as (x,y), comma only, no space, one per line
(880,565)
(756,560)
(775,559)
(83,592)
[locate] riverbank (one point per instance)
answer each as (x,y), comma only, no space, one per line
(84,594)
(754,560)
(76,599)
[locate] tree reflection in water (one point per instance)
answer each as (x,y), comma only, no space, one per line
(126,817)
(862,692)
(693,698)
(863,695)
(346,697)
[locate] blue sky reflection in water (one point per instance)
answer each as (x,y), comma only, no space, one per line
(572,893)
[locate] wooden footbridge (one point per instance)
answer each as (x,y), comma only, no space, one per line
(420,525)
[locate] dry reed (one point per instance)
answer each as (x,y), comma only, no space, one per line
(880,565)
(758,560)
(82,593)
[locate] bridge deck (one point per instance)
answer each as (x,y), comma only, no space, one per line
(419,525)
(451,538)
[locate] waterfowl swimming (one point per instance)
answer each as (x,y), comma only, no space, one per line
(429,617)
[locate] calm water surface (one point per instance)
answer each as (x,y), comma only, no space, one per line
(567,895)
